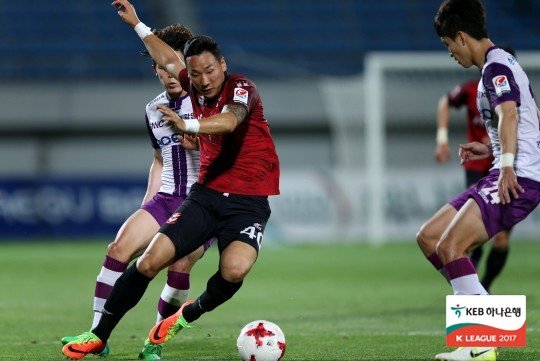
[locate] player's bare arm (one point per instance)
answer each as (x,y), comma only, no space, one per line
(508,121)
(442,152)
(162,53)
(239,112)
(222,123)
(154,176)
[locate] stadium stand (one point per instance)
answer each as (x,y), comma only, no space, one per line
(82,40)
(62,39)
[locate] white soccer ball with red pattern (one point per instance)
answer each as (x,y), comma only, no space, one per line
(261,341)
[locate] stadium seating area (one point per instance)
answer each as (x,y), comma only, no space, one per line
(65,39)
(81,39)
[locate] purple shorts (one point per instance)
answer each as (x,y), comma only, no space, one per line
(498,217)
(163,205)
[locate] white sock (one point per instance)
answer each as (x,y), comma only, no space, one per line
(468,285)
(108,275)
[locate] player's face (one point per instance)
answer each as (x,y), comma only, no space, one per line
(171,85)
(458,50)
(206,73)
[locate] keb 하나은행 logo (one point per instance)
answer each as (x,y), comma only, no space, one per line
(486,321)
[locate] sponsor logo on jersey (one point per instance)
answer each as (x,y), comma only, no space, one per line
(240,95)
(158,124)
(501,85)
(174,218)
(168,140)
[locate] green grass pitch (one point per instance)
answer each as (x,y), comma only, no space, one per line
(339,302)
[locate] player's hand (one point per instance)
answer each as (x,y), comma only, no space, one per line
(172,117)
(508,185)
(189,141)
(442,153)
(126,11)
(473,151)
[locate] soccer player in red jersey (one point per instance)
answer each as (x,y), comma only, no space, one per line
(466,95)
(239,169)
(173,171)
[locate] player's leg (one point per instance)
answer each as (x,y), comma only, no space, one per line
(483,208)
(496,258)
(125,294)
(471,178)
(173,295)
(465,232)
(431,232)
(240,236)
(235,262)
(131,240)
(476,255)
(175,291)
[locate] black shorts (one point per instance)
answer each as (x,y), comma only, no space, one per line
(207,213)
(472,177)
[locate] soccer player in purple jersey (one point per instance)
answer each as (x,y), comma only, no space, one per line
(174,169)
(511,191)
(465,95)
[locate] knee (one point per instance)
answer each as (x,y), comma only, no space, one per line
(235,272)
(183,265)
(446,250)
(426,240)
(147,267)
(119,251)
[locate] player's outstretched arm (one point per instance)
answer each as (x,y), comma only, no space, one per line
(162,53)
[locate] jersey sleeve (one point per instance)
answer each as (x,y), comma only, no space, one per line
(153,139)
(183,78)
(458,96)
(500,84)
(242,91)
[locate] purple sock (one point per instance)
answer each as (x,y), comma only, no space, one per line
(435,261)
(459,268)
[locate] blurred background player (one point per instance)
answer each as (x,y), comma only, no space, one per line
(239,170)
(465,95)
(511,191)
(174,169)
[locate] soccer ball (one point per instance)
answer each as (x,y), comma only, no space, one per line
(261,341)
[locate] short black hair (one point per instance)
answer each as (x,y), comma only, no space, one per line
(201,43)
(468,16)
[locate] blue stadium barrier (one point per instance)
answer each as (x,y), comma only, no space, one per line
(50,208)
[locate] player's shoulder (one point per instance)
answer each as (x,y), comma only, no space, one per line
(159,99)
(240,80)
(497,57)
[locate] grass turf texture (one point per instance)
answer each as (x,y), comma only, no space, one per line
(333,303)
